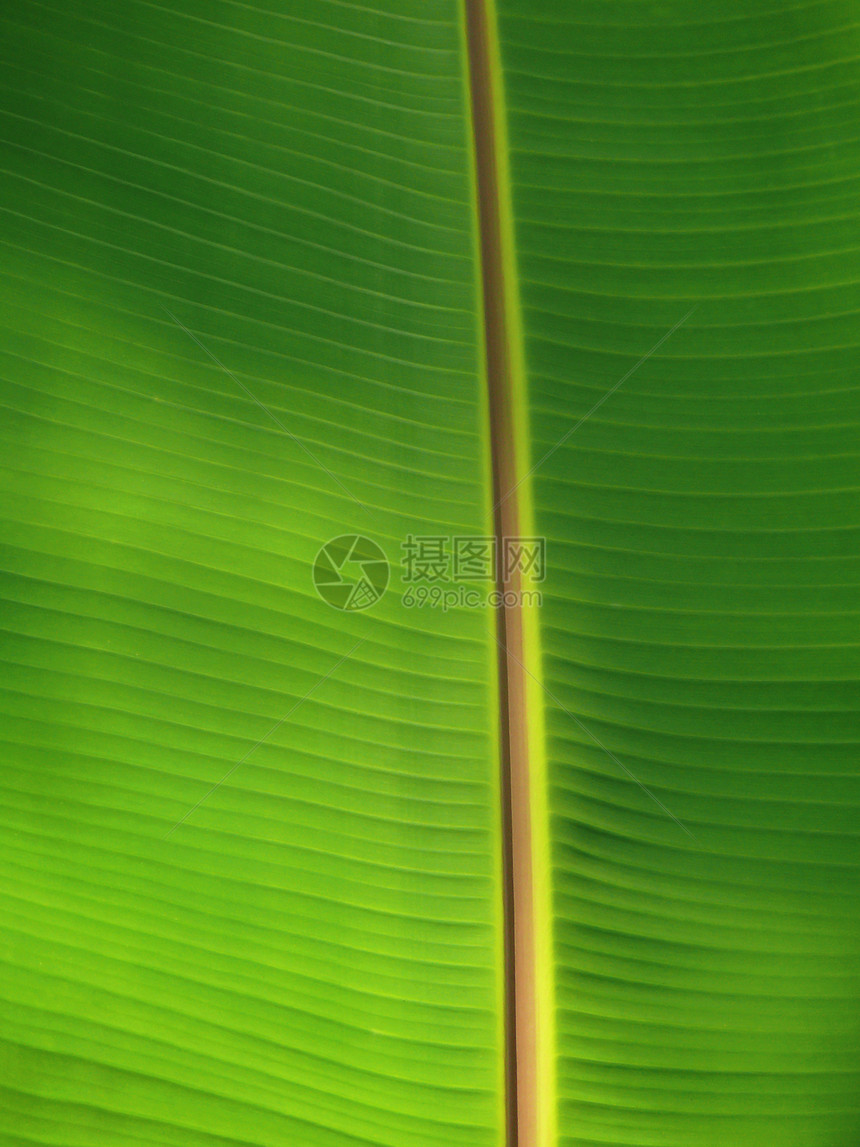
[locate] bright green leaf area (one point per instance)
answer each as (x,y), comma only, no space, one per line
(701,619)
(250,884)
(313,957)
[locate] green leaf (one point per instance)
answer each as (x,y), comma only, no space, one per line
(256,883)
(699,626)
(251,872)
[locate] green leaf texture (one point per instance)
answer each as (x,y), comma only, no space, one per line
(309,953)
(702,607)
(251,874)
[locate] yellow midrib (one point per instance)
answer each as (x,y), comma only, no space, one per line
(530,1028)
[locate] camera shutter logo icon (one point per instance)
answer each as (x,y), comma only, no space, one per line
(351,572)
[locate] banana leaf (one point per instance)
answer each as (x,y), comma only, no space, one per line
(256,861)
